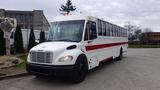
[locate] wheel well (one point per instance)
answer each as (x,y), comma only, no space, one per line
(84,57)
(121,49)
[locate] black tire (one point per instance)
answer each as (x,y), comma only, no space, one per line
(38,76)
(120,55)
(81,69)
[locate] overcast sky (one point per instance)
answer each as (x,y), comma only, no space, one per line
(144,13)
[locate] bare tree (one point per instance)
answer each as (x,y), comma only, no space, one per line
(133,31)
(129,27)
(67,8)
(147,30)
(137,32)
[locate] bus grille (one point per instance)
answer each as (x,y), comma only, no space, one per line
(41,57)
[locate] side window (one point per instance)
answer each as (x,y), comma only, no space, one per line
(99,27)
(113,30)
(91,31)
(104,29)
(120,32)
(86,37)
(126,33)
(109,30)
(116,31)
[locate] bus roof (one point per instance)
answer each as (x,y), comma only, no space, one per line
(70,17)
(79,17)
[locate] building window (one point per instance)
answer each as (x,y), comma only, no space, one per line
(18,18)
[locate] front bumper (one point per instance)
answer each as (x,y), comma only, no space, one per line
(50,70)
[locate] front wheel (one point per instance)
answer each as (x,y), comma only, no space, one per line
(39,76)
(81,69)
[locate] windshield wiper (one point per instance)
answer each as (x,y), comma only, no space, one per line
(66,40)
(49,41)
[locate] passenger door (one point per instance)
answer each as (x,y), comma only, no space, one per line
(90,40)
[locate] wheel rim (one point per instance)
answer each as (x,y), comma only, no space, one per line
(81,68)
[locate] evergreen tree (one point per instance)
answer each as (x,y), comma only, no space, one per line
(18,40)
(67,8)
(32,42)
(42,36)
(2,43)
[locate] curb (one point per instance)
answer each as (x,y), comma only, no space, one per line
(14,76)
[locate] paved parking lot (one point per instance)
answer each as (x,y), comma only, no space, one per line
(139,70)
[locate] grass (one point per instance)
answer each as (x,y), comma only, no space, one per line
(17,69)
(143,46)
(23,64)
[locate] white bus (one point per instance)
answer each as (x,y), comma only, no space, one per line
(76,44)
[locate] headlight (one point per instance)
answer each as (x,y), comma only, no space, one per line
(66,58)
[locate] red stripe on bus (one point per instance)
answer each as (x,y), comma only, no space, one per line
(94,47)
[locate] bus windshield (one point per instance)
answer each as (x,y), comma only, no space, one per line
(70,31)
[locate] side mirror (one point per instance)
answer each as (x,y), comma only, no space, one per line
(90,41)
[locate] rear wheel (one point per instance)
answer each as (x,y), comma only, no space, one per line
(120,55)
(81,69)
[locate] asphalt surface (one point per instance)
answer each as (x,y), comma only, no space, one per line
(139,70)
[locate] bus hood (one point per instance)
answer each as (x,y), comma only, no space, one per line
(53,46)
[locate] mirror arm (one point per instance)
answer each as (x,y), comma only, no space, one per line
(90,41)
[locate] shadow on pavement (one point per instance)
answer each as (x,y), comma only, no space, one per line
(67,81)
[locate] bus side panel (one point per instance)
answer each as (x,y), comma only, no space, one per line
(111,49)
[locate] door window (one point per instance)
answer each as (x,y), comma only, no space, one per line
(91,31)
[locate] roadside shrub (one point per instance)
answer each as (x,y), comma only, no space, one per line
(32,42)
(2,43)
(134,42)
(42,36)
(18,40)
